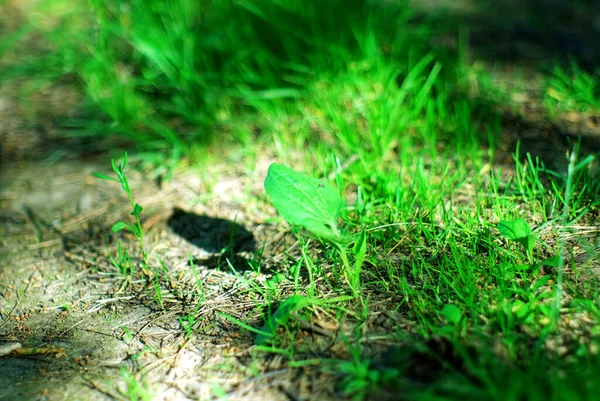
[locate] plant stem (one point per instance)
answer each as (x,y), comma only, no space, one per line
(561,241)
(349,272)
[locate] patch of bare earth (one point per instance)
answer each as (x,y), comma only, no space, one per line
(58,289)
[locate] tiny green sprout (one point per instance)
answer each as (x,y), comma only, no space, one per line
(187,322)
(316,206)
(280,317)
(136,227)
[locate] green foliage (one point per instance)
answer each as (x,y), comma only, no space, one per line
(452,313)
(166,75)
(572,89)
(518,231)
(136,226)
(361,81)
(122,261)
(187,322)
(135,389)
(360,377)
(316,206)
(304,201)
(280,317)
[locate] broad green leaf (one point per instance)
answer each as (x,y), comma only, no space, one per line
(518,231)
(280,317)
(553,261)
(119,225)
(137,209)
(307,202)
(452,313)
(104,176)
(514,230)
(273,282)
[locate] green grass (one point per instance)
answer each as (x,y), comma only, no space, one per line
(352,93)
(572,89)
(167,76)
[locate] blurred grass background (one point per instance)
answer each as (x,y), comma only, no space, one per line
(174,75)
(356,77)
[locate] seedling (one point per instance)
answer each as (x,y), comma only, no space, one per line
(530,303)
(280,317)
(135,390)
(122,261)
(136,227)
(127,334)
(187,322)
(520,231)
(316,206)
(360,376)
(452,314)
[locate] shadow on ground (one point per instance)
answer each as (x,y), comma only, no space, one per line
(521,32)
(213,234)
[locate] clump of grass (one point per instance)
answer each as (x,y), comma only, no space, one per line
(167,76)
(572,89)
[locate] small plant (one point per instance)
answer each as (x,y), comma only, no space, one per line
(127,334)
(135,389)
(454,317)
(136,227)
(529,302)
(122,261)
(267,334)
(360,377)
(187,322)
(316,206)
(280,317)
(572,89)
(519,231)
